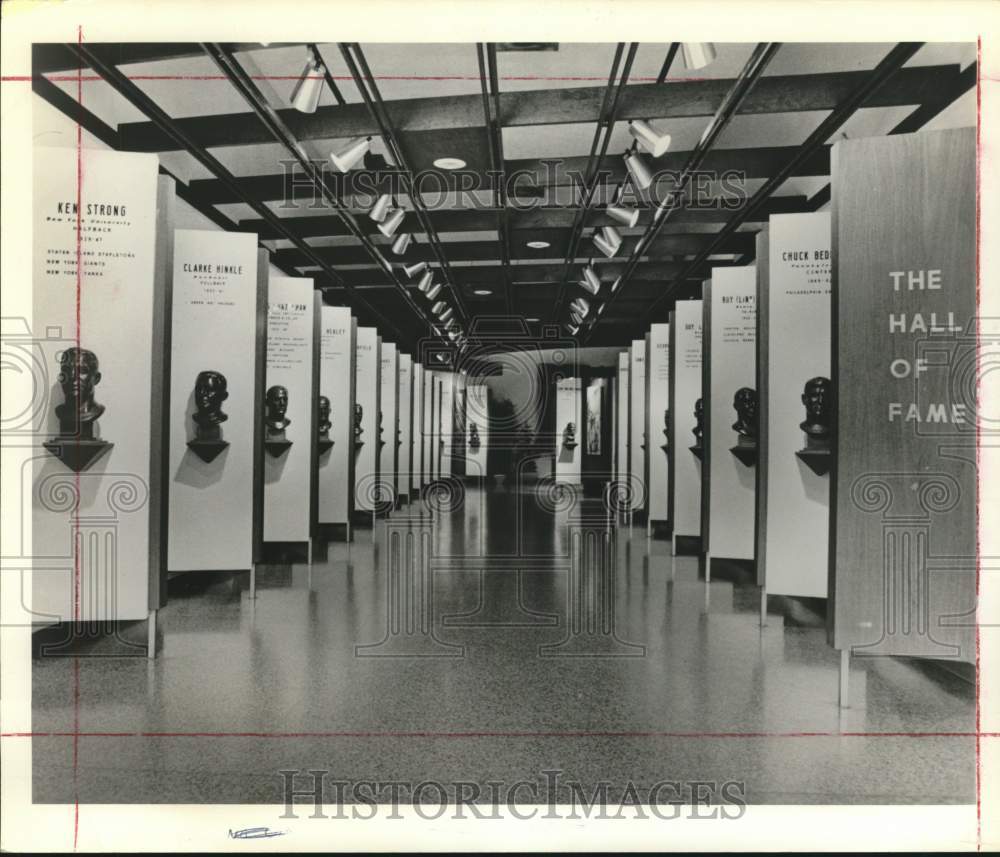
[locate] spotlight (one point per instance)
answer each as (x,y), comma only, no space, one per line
(572,328)
(392,222)
(639,170)
(434,292)
(447,314)
(416,268)
(581,305)
(625,216)
(608,241)
(591,282)
(438,308)
(401,243)
(653,141)
(351,153)
(698,54)
(426,280)
(305,96)
(381,208)
(576,316)
(452,335)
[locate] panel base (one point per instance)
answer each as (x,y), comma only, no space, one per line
(207,450)
(76,454)
(277,448)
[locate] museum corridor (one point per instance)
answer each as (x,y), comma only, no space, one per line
(682,685)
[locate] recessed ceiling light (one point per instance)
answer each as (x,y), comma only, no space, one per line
(482,292)
(532,319)
(538,245)
(449,163)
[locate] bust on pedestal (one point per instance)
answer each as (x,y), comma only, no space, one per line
(569,436)
(323,425)
(76,445)
(817,396)
(210,391)
(699,428)
(275,421)
(745,404)
(358,430)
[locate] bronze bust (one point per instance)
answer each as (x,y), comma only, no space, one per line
(210,391)
(745,403)
(276,402)
(699,420)
(473,436)
(569,436)
(79,373)
(817,397)
(323,417)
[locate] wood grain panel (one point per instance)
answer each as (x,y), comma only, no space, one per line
(904,504)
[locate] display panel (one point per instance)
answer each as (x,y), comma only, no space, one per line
(336,384)
(389,419)
(98,481)
(428,419)
(569,432)
(686,439)
(728,470)
(289,409)
(657,420)
(367,373)
(418,428)
(637,413)
(404,466)
(477,429)
(219,295)
(622,419)
(796,395)
(904,297)
(447,422)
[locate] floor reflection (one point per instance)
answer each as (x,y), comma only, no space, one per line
(494,636)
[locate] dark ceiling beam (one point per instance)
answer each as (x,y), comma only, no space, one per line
(756,163)
(51,57)
(685,244)
(542,222)
(674,99)
(241,81)
(875,80)
(365,83)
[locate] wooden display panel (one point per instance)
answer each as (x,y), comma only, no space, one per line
(904,486)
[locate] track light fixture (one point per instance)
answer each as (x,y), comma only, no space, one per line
(353,152)
(434,292)
(438,308)
(608,241)
(655,142)
(638,169)
(582,305)
(447,314)
(572,328)
(309,87)
(416,268)
(591,282)
(381,208)
(624,215)
(392,222)
(401,243)
(698,54)
(426,280)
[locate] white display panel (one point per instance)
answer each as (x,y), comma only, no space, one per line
(685,393)
(418,428)
(622,419)
(336,382)
(476,442)
(366,394)
(389,460)
(795,309)
(405,409)
(637,419)
(291,310)
(428,419)
(216,295)
(732,366)
(658,403)
(447,422)
(569,411)
(111,508)
(437,443)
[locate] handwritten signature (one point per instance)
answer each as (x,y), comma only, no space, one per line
(255,833)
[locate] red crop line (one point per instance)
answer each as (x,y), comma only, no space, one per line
(502,734)
(56,78)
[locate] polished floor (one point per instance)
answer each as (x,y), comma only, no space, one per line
(491,637)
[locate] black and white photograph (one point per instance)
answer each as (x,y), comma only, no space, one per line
(431,441)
